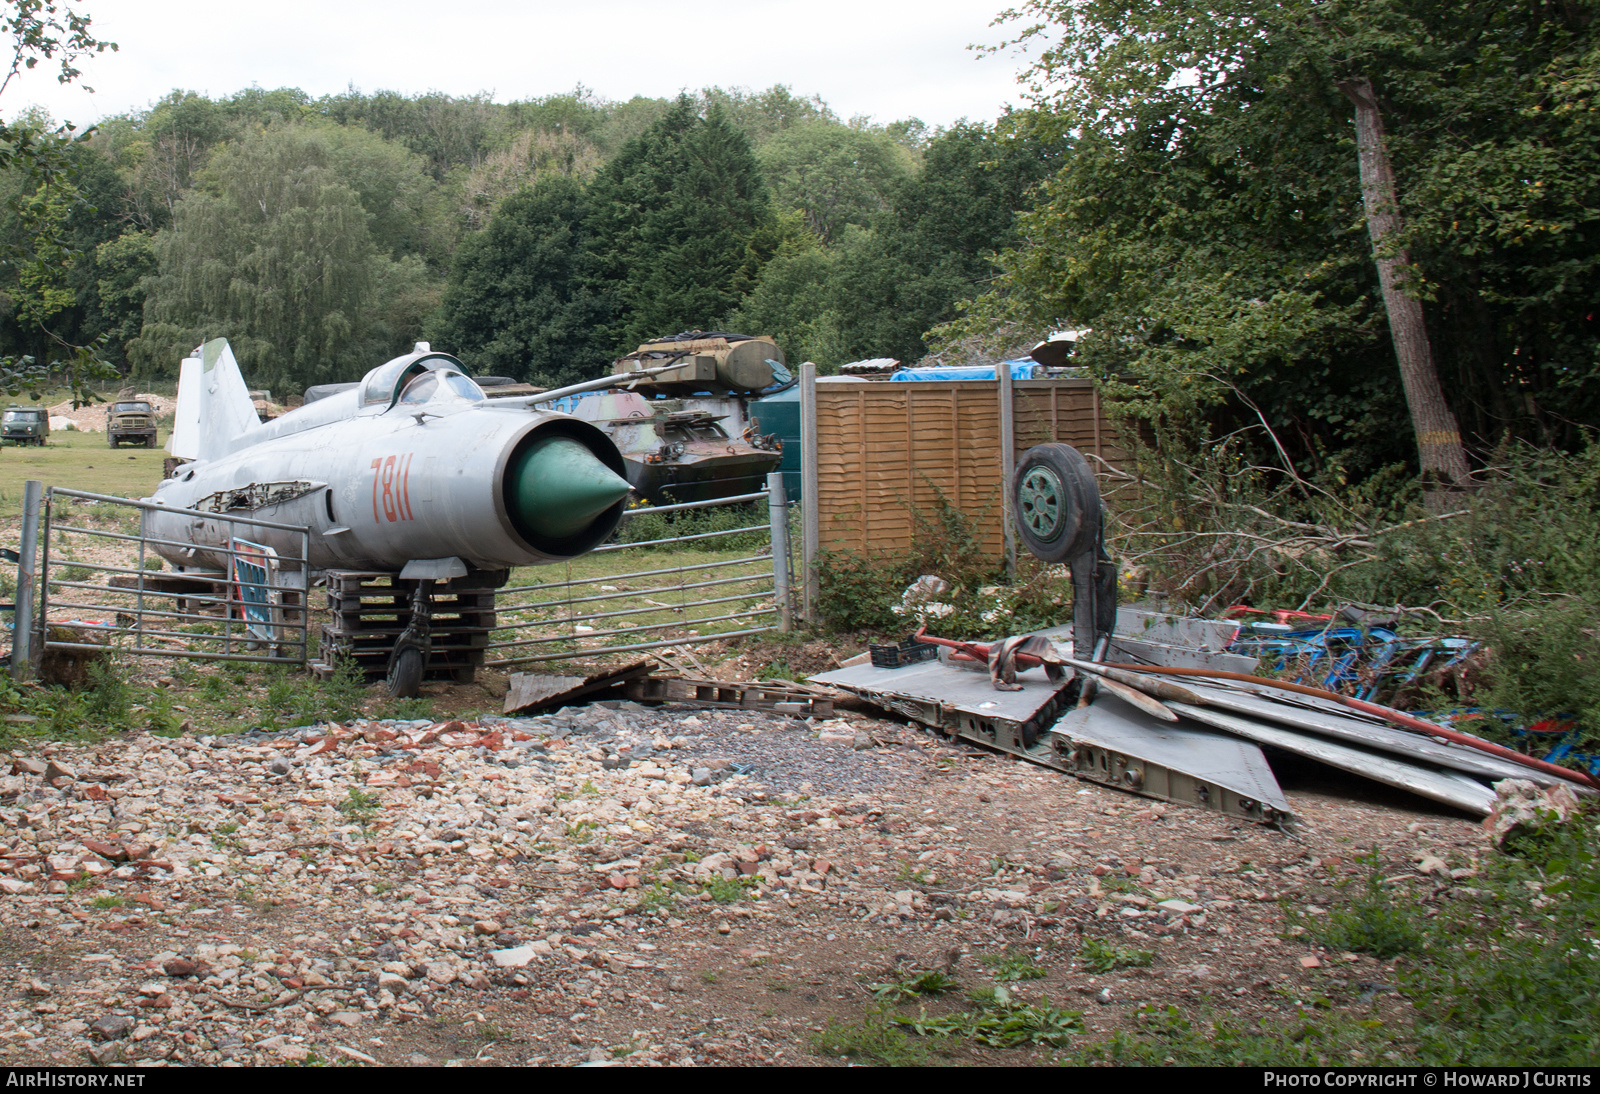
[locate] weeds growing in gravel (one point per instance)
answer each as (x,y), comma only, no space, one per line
(912,984)
(917,875)
(1012,965)
(1167,1036)
(1503,973)
(361,806)
(407,710)
(1114,884)
(998,1021)
(1098,955)
(877,1038)
(1369,920)
(728,891)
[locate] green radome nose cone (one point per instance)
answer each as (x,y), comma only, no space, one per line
(558,486)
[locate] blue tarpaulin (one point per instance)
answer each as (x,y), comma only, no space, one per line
(1024,369)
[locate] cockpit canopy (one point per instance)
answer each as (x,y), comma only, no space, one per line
(418,378)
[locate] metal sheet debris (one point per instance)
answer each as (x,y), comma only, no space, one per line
(531,690)
(1167,629)
(1449,787)
(1160,638)
(1130,750)
(962,702)
(1358,731)
(1210,759)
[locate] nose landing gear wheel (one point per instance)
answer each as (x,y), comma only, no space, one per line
(405,675)
(410,657)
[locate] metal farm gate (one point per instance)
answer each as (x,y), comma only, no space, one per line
(100,579)
(594,611)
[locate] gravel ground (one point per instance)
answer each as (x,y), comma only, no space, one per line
(616,884)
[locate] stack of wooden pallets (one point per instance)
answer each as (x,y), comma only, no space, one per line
(370,610)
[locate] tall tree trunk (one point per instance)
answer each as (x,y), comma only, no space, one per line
(1444,461)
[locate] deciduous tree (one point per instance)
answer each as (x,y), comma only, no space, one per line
(681,225)
(1209,224)
(518,302)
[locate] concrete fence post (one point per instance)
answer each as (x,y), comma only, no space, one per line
(778,517)
(810,527)
(22,622)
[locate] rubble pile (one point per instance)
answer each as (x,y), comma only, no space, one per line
(609,884)
(430,839)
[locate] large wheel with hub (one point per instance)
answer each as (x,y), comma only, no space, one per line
(405,674)
(1055,502)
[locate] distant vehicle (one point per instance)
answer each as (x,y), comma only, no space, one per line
(25,425)
(131,420)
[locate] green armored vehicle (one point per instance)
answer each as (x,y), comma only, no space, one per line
(131,420)
(25,425)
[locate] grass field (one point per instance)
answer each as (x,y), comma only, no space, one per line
(78,461)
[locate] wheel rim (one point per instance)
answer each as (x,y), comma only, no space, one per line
(1042,501)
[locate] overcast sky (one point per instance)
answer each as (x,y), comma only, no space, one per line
(888,59)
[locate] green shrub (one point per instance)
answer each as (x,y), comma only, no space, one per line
(107,700)
(862,592)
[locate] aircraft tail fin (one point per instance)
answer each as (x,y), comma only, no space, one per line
(214,406)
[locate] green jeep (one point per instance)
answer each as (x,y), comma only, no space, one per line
(25,425)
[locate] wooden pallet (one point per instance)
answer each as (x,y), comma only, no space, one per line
(787,699)
(371,609)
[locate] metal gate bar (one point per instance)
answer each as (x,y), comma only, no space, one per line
(285,625)
(619,577)
(765,590)
(674,539)
(635,592)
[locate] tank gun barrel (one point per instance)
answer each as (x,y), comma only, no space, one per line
(616,379)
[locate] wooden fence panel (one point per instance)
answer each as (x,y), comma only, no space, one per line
(884,449)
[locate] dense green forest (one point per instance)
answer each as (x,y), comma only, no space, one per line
(533,239)
(1209,225)
(1184,184)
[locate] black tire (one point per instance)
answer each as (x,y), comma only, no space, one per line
(405,675)
(1055,503)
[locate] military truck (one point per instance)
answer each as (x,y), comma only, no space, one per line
(131,420)
(25,425)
